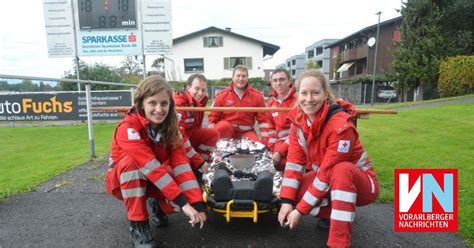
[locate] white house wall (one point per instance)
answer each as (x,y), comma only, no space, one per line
(213,56)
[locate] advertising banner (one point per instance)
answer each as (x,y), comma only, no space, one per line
(60,106)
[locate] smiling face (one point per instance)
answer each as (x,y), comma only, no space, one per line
(156,108)
(311,96)
(240,79)
(280,83)
(197,89)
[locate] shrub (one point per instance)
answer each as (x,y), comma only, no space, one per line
(456,76)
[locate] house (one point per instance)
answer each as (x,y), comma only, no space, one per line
(295,65)
(353,55)
(352,58)
(214,52)
(318,54)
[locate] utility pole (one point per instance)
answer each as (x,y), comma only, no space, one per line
(375,59)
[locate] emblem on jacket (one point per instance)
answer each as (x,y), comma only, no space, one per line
(229,102)
(133,134)
(343,146)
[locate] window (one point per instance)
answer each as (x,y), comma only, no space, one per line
(310,54)
(293,72)
(319,50)
(396,37)
(319,63)
(293,62)
(288,65)
(231,62)
(213,41)
(193,65)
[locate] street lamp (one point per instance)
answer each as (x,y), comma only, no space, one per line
(375,59)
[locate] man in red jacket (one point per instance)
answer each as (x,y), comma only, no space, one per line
(199,142)
(241,124)
(283,95)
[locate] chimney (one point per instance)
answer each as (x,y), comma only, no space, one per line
(228,29)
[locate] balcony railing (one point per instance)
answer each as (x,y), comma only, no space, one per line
(354,54)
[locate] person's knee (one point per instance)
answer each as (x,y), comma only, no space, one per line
(224,129)
(342,171)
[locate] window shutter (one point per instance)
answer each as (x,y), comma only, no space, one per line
(226,64)
(221,41)
(204,41)
(248,62)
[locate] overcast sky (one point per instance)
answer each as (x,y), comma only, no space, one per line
(292,25)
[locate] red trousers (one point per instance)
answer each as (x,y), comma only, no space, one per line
(349,187)
(204,140)
(226,130)
(126,183)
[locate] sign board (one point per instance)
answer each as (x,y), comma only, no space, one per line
(59,28)
(60,106)
(387,94)
(156,20)
(108,28)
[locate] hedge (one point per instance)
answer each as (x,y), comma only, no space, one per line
(456,76)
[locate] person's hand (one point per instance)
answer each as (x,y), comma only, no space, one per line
(203,217)
(294,218)
(285,210)
(276,157)
(194,216)
(204,167)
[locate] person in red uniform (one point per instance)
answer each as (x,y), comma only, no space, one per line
(283,95)
(148,161)
(241,124)
(198,142)
(323,134)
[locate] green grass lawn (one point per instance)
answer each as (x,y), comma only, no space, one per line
(438,137)
(32,155)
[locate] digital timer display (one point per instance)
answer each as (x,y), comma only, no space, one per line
(107,14)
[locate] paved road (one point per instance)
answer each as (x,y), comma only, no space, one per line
(72,210)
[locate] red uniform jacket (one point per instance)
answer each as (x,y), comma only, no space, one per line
(132,139)
(323,143)
(189,122)
(243,121)
(280,121)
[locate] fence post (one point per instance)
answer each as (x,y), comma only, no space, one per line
(89,121)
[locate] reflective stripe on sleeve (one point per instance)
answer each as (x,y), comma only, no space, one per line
(302,141)
(283,133)
(191,184)
(178,170)
(163,181)
(135,192)
(321,186)
(342,215)
(187,144)
(131,175)
(294,167)
(150,166)
(191,153)
(264,125)
(315,167)
(310,198)
(206,148)
(290,183)
(344,196)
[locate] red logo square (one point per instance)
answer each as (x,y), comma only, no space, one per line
(426,200)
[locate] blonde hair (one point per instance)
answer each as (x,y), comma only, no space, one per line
(324,83)
(169,128)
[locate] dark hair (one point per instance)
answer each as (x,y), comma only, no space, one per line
(278,70)
(240,68)
(150,86)
(194,76)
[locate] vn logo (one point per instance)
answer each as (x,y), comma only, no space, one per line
(426,200)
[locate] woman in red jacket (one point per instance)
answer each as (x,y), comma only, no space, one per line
(148,161)
(325,161)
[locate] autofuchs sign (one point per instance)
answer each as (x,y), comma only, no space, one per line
(426,200)
(59,106)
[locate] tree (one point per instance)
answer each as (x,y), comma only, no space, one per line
(418,58)
(312,65)
(28,86)
(131,71)
(96,72)
(457,26)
